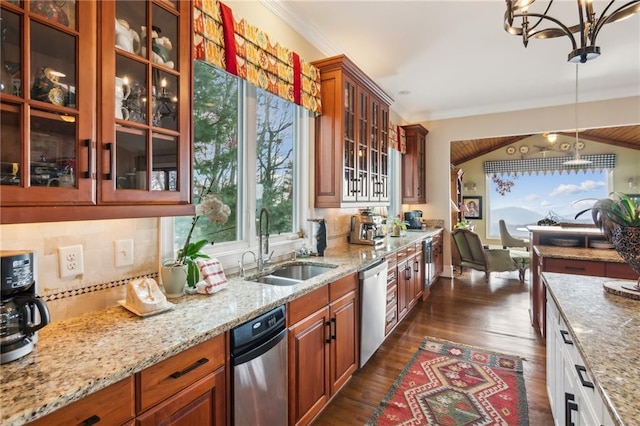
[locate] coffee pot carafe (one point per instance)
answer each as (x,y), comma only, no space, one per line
(22,312)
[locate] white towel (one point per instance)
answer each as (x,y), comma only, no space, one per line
(212,277)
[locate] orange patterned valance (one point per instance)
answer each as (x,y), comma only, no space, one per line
(246,51)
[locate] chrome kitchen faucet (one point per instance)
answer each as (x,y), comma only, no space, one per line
(263,249)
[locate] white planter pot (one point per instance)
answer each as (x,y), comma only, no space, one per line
(174,279)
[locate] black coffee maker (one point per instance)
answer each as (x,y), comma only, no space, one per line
(22,312)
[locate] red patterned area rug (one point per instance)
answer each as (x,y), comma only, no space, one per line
(451,384)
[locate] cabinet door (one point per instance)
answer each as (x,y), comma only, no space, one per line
(308,346)
(362,153)
(350,184)
(145,90)
(418,277)
(405,280)
(47,103)
(413,165)
(344,340)
(202,403)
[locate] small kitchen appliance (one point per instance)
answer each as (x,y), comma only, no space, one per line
(22,312)
(413,219)
(366,229)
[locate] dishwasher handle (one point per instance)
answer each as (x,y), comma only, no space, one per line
(373,270)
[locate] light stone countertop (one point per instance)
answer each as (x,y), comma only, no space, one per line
(575,253)
(606,331)
(81,355)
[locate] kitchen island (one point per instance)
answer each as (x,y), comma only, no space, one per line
(82,355)
(605,329)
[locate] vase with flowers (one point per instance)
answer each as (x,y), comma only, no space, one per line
(184,268)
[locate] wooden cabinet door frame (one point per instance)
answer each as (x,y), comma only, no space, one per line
(344,340)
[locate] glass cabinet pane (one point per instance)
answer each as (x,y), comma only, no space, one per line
(131,159)
(164,42)
(164,176)
(10,146)
(130,90)
(60,12)
(165,100)
(10,66)
(52,150)
(53,64)
(131,26)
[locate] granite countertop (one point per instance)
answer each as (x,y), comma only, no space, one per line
(575,253)
(606,331)
(82,355)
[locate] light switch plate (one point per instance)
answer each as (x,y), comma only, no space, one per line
(124,253)
(71,261)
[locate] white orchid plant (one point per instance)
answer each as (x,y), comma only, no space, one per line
(216,211)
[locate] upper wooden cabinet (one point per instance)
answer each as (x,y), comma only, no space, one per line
(95,113)
(413,165)
(352,148)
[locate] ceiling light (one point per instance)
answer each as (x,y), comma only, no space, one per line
(552,137)
(586,30)
(576,161)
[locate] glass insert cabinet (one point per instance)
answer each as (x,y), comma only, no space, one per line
(94,98)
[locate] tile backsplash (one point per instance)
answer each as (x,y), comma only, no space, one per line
(102,283)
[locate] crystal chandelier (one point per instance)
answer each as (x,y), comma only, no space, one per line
(586,30)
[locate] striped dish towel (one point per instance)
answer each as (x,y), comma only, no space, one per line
(212,277)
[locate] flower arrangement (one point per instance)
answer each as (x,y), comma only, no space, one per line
(396,224)
(216,211)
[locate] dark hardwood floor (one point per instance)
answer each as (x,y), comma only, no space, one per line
(467,310)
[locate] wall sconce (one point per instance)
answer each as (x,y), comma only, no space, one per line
(632,181)
(470,186)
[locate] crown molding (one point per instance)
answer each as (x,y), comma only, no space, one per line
(305,28)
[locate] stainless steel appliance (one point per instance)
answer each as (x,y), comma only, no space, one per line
(429,261)
(373,288)
(413,219)
(366,229)
(22,312)
(259,375)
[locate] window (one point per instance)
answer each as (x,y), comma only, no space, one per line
(246,146)
(524,199)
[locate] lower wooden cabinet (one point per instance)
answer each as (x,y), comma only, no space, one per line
(113,405)
(202,403)
(323,346)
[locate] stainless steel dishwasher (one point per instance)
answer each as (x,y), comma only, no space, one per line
(259,359)
(373,288)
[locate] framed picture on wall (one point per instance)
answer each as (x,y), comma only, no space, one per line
(473,207)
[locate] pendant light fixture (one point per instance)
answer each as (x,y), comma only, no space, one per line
(587,28)
(576,160)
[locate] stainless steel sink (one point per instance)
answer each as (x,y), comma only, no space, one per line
(286,275)
(301,272)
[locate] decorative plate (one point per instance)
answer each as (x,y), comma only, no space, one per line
(56,96)
(579,145)
(511,150)
(524,149)
(565,146)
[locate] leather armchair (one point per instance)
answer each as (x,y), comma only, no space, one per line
(507,240)
(470,252)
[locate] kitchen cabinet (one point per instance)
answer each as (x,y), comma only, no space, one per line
(572,394)
(579,259)
(392,293)
(410,278)
(413,165)
(456,194)
(351,141)
(81,144)
(438,254)
(113,405)
(189,385)
(323,346)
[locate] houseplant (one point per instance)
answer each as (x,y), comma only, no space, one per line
(397,225)
(216,211)
(618,216)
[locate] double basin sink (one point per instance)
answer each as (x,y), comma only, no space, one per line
(292,274)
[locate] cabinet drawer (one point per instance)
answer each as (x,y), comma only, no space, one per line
(392,295)
(342,286)
(579,267)
(112,405)
(164,379)
(391,319)
(392,260)
(304,306)
(620,270)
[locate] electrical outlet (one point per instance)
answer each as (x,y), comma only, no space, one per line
(71,261)
(124,252)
